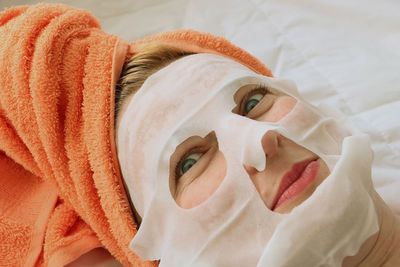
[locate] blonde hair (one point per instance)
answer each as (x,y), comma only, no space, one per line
(134,73)
(141,66)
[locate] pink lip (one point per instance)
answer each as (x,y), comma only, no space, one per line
(296,180)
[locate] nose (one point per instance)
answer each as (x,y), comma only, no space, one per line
(248,139)
(270,143)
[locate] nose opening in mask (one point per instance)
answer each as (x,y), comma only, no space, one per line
(261,143)
(270,141)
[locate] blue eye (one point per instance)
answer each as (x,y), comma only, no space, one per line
(252,102)
(252,98)
(188,162)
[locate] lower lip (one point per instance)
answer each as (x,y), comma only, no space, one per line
(306,178)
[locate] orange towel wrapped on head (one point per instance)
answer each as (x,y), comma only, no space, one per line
(61,193)
(60,184)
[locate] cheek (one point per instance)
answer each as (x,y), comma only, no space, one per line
(281,107)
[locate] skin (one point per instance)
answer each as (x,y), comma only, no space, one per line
(203,178)
(382,248)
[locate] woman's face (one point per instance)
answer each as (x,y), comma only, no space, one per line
(212,150)
(197,167)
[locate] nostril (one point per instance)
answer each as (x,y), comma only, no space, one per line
(270,143)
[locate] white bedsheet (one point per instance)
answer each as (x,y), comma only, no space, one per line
(344,53)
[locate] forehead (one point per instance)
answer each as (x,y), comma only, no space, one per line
(180,87)
(187,74)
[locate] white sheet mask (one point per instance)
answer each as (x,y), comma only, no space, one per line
(194,96)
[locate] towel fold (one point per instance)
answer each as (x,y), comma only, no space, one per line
(61,193)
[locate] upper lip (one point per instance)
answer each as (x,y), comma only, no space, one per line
(290,177)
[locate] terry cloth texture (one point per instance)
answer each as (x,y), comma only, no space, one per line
(61,193)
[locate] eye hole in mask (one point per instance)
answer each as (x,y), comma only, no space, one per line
(262,103)
(196,163)
(250,99)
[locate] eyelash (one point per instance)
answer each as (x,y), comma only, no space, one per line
(260,86)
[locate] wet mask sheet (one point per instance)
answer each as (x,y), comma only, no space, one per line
(193,96)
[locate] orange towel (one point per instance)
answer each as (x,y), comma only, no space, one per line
(61,193)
